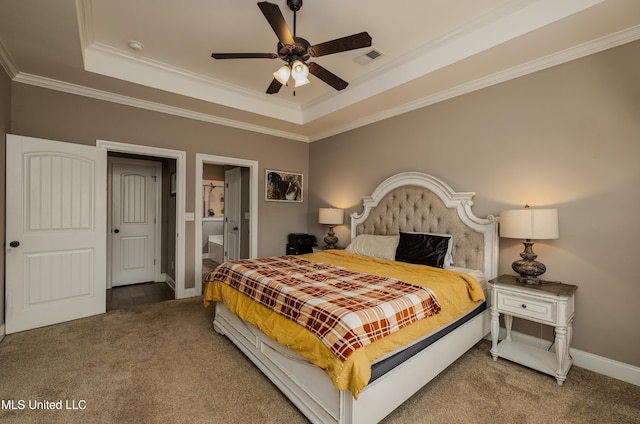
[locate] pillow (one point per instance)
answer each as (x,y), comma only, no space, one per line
(448,259)
(381,247)
(425,249)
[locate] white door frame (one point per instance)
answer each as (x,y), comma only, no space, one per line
(181,164)
(158,206)
(201,159)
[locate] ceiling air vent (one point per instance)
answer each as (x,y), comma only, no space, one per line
(368,57)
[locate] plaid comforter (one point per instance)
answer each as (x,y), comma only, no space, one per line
(345,309)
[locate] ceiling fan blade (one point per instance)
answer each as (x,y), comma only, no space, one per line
(274,87)
(351,42)
(330,78)
(244,55)
(276,20)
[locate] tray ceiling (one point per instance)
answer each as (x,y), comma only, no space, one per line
(431,50)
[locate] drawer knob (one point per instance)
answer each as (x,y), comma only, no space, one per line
(524,306)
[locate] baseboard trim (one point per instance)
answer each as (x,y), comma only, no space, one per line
(1,331)
(600,364)
(606,366)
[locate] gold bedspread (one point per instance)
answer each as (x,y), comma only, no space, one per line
(456,292)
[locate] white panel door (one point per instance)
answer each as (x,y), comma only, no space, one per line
(55,232)
(232,213)
(133,224)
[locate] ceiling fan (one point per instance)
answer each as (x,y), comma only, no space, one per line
(295,51)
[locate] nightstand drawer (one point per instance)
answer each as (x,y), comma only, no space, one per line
(525,306)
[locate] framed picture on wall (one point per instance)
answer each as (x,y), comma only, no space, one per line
(283,186)
(172,184)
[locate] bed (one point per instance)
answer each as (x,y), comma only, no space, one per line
(403,204)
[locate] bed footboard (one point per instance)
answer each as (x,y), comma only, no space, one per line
(311,390)
(306,385)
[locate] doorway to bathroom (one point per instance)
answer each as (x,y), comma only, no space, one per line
(227,209)
(213,210)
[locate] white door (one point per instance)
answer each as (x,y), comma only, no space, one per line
(55,232)
(133,223)
(232,213)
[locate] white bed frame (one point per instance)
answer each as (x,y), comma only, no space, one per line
(311,390)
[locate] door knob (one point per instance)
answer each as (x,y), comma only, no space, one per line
(14,244)
(116,231)
(235,228)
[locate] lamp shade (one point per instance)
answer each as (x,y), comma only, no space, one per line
(300,83)
(331,216)
(282,74)
(536,224)
(299,72)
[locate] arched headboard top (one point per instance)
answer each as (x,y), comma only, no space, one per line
(413,201)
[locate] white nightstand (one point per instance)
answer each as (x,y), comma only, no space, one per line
(548,303)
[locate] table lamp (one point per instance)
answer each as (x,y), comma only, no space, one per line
(331,217)
(528,224)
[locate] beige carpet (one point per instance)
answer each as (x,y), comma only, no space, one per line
(162,363)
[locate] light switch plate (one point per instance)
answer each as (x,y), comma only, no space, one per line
(189,216)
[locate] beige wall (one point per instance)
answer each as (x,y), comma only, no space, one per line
(5,122)
(212,172)
(59,116)
(567,137)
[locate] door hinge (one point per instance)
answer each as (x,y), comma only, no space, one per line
(154,178)
(154,261)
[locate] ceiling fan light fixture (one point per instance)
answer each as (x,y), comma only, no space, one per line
(282,74)
(301,82)
(296,50)
(300,72)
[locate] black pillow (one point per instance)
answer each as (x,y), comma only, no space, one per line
(423,249)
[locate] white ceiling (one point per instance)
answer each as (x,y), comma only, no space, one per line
(432,50)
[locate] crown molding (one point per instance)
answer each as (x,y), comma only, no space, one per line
(505,22)
(573,53)
(84,11)
(116,63)
(7,61)
(148,105)
(604,43)
(120,64)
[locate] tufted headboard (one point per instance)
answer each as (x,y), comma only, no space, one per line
(413,201)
